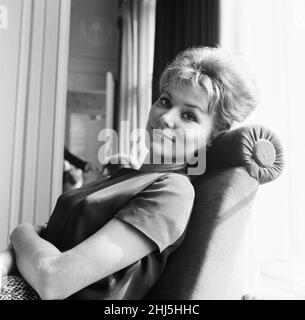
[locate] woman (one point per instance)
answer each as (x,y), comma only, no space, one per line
(111,238)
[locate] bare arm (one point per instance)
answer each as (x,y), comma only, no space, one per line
(56,275)
(8,259)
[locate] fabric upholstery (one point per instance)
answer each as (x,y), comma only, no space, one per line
(205,266)
(255,147)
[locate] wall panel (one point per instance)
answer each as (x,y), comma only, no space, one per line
(34,64)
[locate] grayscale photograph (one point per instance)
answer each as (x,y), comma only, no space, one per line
(152,150)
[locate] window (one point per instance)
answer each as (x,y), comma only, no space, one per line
(269,34)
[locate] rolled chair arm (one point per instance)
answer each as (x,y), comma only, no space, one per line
(254,147)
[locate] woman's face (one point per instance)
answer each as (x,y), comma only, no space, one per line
(179,124)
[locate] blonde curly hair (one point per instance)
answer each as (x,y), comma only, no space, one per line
(231,87)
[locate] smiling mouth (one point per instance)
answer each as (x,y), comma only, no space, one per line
(163,135)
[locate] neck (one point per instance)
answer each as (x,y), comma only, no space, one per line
(148,165)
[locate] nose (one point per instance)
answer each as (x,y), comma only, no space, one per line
(167,120)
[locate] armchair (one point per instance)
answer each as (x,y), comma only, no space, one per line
(207,266)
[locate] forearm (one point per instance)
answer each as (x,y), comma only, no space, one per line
(56,275)
(31,251)
(8,259)
(112,248)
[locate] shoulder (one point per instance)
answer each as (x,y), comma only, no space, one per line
(178,182)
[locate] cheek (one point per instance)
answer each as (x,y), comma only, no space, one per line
(150,123)
(156,111)
(151,118)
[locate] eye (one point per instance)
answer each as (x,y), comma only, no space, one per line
(189,116)
(164,102)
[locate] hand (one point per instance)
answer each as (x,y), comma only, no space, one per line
(7,262)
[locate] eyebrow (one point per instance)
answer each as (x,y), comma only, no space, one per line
(194,106)
(186,104)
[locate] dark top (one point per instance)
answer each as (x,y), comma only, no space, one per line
(158,204)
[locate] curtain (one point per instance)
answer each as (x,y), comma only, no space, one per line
(181,24)
(137,47)
(269,35)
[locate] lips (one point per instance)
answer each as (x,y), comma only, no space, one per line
(162,134)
